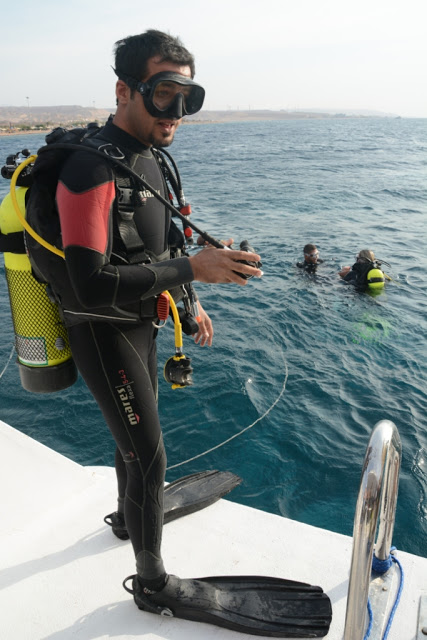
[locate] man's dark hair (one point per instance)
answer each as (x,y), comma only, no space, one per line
(132,53)
(309,248)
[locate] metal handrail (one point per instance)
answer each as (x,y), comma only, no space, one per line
(377,499)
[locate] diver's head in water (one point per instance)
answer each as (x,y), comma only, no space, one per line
(365,255)
(311,254)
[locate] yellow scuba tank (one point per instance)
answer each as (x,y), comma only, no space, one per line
(41,340)
(375,279)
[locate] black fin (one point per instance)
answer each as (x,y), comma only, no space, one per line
(256,605)
(197,491)
(185,495)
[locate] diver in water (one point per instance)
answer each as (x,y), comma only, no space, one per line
(311,259)
(365,273)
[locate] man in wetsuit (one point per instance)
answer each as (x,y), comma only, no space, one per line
(110,276)
(311,259)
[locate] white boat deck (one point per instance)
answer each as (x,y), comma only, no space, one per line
(61,568)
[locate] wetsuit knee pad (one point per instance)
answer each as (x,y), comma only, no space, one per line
(148,477)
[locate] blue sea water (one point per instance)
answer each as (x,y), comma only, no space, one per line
(308,364)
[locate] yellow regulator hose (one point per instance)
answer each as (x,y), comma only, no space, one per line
(21,217)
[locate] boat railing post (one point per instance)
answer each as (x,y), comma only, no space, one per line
(376,500)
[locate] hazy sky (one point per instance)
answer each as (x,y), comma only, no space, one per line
(266,54)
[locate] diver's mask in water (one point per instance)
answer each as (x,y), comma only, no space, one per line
(168,94)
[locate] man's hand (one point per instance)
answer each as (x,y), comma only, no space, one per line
(205,333)
(344,271)
(204,243)
(221,265)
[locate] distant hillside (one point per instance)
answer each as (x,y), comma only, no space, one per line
(252,115)
(13,117)
(63,115)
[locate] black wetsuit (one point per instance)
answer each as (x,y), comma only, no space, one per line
(117,359)
(358,275)
(310,267)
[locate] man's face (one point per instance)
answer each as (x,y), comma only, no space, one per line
(136,120)
(312,256)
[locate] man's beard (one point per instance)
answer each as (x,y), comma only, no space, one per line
(164,141)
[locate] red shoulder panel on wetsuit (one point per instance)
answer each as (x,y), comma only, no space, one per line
(85,216)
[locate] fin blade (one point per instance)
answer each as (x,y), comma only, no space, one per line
(272,606)
(197,491)
(256,605)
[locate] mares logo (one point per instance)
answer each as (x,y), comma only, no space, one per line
(124,398)
(127,383)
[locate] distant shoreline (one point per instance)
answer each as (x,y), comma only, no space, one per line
(24,133)
(38,119)
(188,121)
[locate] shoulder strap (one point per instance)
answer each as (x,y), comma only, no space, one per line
(170,177)
(128,197)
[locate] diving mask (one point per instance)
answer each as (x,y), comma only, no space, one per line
(168,94)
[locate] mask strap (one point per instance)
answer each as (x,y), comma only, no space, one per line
(132,83)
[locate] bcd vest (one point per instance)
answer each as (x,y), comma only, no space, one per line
(126,245)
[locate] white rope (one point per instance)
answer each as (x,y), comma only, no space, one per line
(7,363)
(236,435)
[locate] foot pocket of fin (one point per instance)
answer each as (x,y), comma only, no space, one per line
(143,600)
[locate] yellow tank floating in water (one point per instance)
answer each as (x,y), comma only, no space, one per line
(376,279)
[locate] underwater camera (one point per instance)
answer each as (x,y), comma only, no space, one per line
(245,246)
(12,162)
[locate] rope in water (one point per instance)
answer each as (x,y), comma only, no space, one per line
(239,433)
(221,444)
(7,363)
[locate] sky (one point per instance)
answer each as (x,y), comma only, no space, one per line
(250,54)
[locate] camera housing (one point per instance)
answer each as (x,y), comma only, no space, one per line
(245,246)
(12,163)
